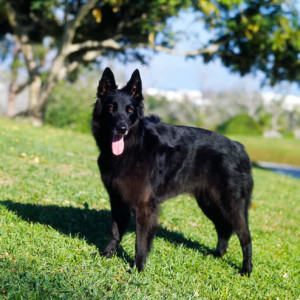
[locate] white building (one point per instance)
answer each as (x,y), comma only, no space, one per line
(289,102)
(180,96)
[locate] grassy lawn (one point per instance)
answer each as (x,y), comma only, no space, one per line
(54,214)
(285,150)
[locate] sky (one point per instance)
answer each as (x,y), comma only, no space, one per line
(167,71)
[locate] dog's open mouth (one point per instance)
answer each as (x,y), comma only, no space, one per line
(118,144)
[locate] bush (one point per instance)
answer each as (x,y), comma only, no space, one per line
(70,106)
(240,124)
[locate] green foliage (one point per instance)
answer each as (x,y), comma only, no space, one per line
(240,124)
(257,35)
(70,106)
(54,214)
(251,35)
(265,119)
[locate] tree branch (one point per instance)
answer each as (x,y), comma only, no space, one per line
(23,39)
(58,67)
(109,43)
(22,86)
(208,49)
(72,25)
(114,45)
(91,55)
(68,69)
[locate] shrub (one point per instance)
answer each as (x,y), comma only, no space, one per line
(240,124)
(70,106)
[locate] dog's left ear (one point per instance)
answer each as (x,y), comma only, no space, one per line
(134,85)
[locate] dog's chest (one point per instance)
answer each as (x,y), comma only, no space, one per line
(128,179)
(132,187)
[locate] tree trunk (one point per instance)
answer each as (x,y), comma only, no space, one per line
(13,87)
(39,94)
(12,96)
(34,100)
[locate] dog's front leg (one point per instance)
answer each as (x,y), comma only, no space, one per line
(146,225)
(120,217)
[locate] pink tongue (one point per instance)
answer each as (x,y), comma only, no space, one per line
(118,146)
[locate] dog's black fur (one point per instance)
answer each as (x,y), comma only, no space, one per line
(159,161)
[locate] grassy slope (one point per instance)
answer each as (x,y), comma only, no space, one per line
(48,233)
(285,150)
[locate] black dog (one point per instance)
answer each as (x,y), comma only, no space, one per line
(144,162)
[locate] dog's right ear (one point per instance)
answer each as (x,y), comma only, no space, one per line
(106,84)
(134,86)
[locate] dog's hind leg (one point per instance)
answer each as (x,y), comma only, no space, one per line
(243,233)
(223,228)
(146,225)
(120,218)
(224,232)
(239,225)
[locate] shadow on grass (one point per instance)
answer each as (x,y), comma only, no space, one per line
(91,225)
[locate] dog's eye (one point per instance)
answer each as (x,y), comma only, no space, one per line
(110,108)
(129,110)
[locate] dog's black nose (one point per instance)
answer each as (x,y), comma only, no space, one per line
(121,129)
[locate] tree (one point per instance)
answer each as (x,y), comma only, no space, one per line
(258,35)
(250,35)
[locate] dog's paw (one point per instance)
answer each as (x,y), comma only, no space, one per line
(140,261)
(108,252)
(218,252)
(140,267)
(246,271)
(94,254)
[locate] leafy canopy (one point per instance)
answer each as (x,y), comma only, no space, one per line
(248,35)
(257,35)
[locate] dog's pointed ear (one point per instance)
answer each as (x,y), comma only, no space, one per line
(106,84)
(134,85)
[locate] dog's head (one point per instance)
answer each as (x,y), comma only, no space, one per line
(117,110)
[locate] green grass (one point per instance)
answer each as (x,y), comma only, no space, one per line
(54,214)
(283,150)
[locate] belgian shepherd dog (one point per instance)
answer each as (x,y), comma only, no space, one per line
(144,162)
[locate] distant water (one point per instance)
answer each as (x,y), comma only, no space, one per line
(280,168)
